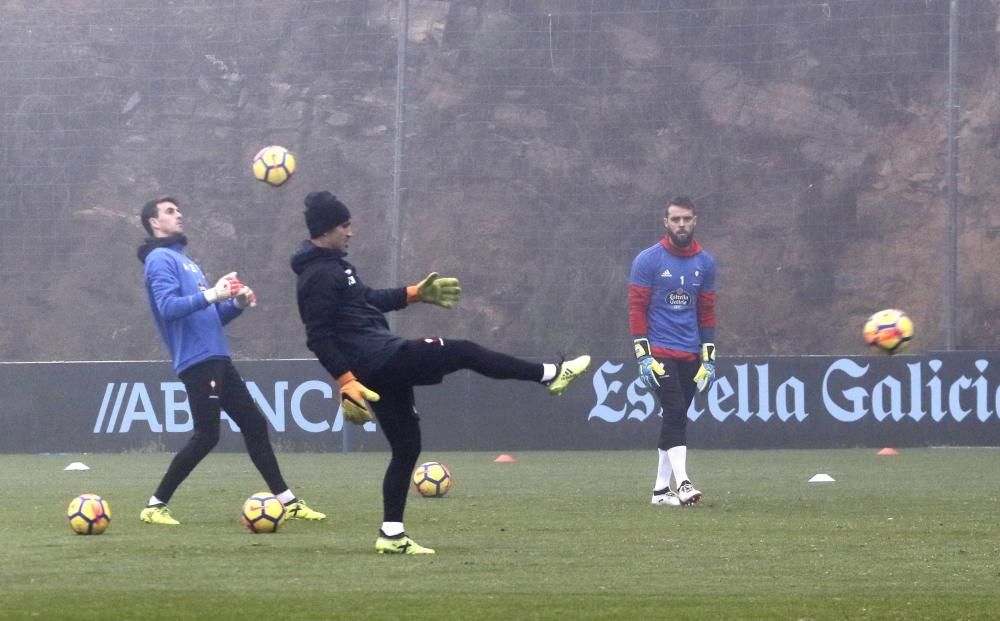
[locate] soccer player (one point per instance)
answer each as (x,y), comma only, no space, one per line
(347,330)
(190,315)
(671,297)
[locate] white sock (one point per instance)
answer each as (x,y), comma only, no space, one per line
(549,371)
(391,529)
(678,460)
(663,471)
(153,500)
(286,496)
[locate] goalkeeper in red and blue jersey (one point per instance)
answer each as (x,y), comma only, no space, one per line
(671,298)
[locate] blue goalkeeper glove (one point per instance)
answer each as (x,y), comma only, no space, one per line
(705,376)
(650,369)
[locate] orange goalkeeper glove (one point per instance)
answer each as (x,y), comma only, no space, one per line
(354,398)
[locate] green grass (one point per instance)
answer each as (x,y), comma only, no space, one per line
(567,535)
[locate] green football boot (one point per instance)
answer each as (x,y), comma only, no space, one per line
(568,371)
(400,544)
(158,514)
(299,510)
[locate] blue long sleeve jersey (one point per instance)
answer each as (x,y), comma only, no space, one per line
(189,325)
(672,298)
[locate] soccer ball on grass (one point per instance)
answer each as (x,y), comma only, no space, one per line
(273,165)
(263,513)
(888,331)
(432,479)
(89,514)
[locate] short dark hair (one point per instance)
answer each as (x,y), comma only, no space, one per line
(680,201)
(151,210)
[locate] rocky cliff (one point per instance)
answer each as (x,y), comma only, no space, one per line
(539,145)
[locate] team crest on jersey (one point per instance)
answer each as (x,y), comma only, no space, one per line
(351,280)
(678,297)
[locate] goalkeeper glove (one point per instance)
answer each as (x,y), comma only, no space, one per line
(435,290)
(246,297)
(705,376)
(225,288)
(650,369)
(354,398)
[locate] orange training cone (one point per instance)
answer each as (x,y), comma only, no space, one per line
(888,451)
(505,459)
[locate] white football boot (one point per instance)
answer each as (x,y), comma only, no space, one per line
(666,497)
(687,494)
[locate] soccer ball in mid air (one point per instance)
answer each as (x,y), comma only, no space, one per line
(89,514)
(432,479)
(263,513)
(888,331)
(273,165)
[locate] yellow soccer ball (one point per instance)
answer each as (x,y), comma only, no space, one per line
(89,514)
(888,331)
(273,165)
(263,513)
(432,479)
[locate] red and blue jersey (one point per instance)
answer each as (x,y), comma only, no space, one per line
(671,296)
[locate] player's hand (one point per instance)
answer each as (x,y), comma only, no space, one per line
(225,288)
(245,298)
(354,398)
(705,376)
(650,369)
(436,290)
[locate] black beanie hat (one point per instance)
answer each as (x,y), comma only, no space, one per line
(324,212)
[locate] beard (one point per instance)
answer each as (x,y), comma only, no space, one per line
(680,241)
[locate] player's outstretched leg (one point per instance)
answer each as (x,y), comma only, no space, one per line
(400,544)
(569,370)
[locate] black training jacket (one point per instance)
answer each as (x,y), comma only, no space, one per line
(344,320)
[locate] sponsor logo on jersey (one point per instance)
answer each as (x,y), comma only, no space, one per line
(678,297)
(666,274)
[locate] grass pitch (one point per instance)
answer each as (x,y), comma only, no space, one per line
(563,535)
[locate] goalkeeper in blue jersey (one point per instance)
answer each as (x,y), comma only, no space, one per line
(376,369)
(671,298)
(190,314)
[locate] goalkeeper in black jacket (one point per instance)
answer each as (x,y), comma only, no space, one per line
(376,369)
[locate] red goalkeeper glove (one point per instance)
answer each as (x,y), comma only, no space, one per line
(245,298)
(225,288)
